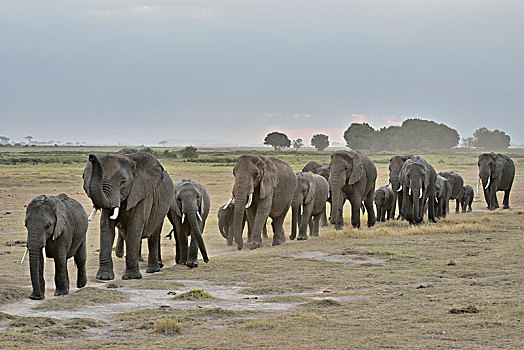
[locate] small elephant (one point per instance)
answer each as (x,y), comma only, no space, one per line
(322,170)
(191,200)
(395,165)
(496,171)
(56,228)
(384,199)
(466,198)
(309,202)
(225,223)
(442,194)
(457,183)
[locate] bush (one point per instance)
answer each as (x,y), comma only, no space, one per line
(168,326)
(189,152)
(168,154)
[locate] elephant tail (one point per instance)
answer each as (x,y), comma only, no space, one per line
(170,234)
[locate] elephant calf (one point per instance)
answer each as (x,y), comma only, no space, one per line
(384,199)
(442,195)
(309,202)
(225,223)
(56,228)
(466,198)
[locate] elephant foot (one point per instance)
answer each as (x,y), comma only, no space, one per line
(105,274)
(338,227)
(469,210)
(313,234)
(32,296)
(81,281)
(161,264)
(504,207)
(301,237)
(278,242)
(229,243)
(141,258)
(131,275)
(61,292)
(192,263)
(292,237)
(254,245)
(153,269)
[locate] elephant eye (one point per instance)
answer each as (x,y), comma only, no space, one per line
(255,173)
(122,182)
(46,227)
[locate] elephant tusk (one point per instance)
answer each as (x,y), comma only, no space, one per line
(183,217)
(228,202)
(249,200)
(399,189)
(93,212)
(487,185)
(300,210)
(23,257)
(436,199)
(420,195)
(409,192)
(115,213)
(329,194)
(199,216)
(45,257)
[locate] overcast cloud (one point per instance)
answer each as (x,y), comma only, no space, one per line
(228,72)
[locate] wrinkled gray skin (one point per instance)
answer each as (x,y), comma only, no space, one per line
(139,186)
(322,170)
(272,184)
(419,176)
(352,176)
(442,194)
(466,198)
(500,171)
(59,224)
(225,222)
(395,165)
(309,202)
(457,183)
(384,199)
(191,202)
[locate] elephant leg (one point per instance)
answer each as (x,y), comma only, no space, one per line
(278,226)
(153,244)
(264,231)
(133,243)
(183,238)
(394,205)
(61,276)
(262,213)
(192,254)
(305,221)
(80,261)
(119,249)
(355,212)
(431,208)
(250,215)
(229,240)
(107,237)
(457,209)
(368,203)
(316,224)
(487,198)
(323,217)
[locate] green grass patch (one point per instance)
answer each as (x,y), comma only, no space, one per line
(83,297)
(195,295)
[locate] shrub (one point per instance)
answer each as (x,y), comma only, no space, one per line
(189,152)
(168,326)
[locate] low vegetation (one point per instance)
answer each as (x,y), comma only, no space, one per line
(83,297)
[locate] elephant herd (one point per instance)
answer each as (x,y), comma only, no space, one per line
(134,194)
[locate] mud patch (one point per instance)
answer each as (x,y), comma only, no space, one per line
(337,258)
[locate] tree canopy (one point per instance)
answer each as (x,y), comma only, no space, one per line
(297,143)
(320,141)
(359,136)
(277,140)
(496,139)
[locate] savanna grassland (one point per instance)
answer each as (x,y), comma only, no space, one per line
(455,284)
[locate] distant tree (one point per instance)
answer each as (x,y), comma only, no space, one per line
(4,140)
(29,139)
(297,144)
(189,152)
(320,141)
(496,139)
(359,136)
(147,150)
(277,140)
(163,143)
(467,142)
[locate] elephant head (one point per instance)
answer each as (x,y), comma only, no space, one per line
(304,194)
(323,171)
(225,214)
(45,220)
(415,179)
(381,197)
(346,169)
(395,165)
(488,168)
(189,202)
(112,180)
(255,179)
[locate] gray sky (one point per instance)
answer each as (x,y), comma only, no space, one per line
(215,71)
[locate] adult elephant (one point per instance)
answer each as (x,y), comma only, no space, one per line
(417,178)
(322,170)
(496,171)
(264,186)
(352,176)
(134,191)
(191,201)
(442,194)
(456,183)
(395,165)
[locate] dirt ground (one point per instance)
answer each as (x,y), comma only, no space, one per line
(391,286)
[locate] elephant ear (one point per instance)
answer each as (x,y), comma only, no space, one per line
(60,219)
(202,201)
(147,176)
(358,171)
(311,191)
(269,178)
(426,178)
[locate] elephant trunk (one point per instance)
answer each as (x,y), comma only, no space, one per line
(196,234)
(295,219)
(336,203)
(238,217)
(96,190)
(36,270)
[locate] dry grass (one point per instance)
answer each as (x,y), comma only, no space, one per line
(83,297)
(168,326)
(194,295)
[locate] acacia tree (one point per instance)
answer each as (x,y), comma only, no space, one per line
(496,139)
(320,141)
(4,139)
(163,143)
(277,140)
(467,142)
(297,143)
(359,136)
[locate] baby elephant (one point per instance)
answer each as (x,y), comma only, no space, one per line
(466,198)
(225,223)
(384,202)
(188,214)
(309,202)
(56,228)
